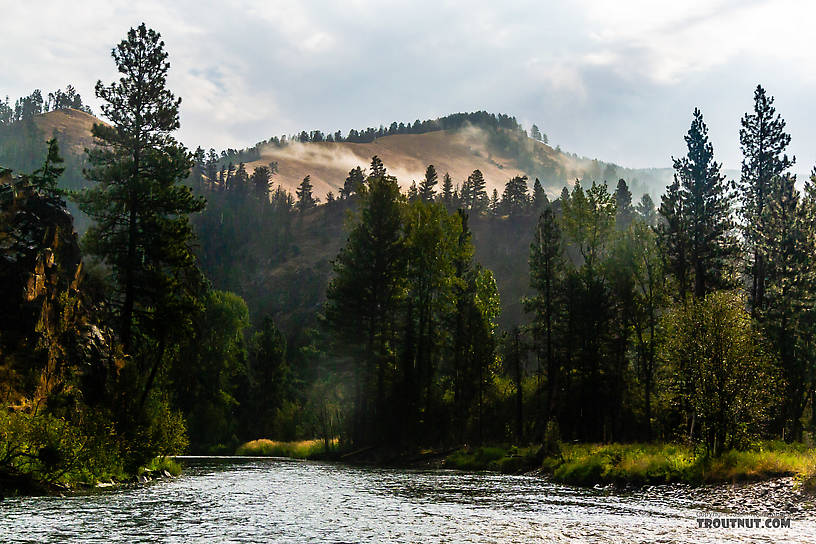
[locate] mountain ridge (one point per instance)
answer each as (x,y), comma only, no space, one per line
(406,155)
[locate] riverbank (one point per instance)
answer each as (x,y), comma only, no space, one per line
(584,465)
(300,449)
(16,483)
(645,464)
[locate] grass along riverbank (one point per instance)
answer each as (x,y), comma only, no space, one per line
(302,449)
(591,464)
(641,464)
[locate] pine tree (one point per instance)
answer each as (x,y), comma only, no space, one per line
(623,200)
(763,141)
(515,200)
(45,178)
(477,194)
(540,200)
(305,200)
(494,207)
(413,192)
(447,192)
(546,269)
(646,210)
(377,169)
(139,202)
(228,181)
(784,243)
(535,133)
(564,197)
(354,183)
(673,236)
(363,298)
(261,183)
(707,209)
(241,179)
(426,186)
(465,199)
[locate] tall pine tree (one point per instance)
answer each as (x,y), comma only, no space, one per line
(707,210)
(763,141)
(139,202)
(427,192)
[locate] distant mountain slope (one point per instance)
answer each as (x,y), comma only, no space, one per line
(499,153)
(22,144)
(71,127)
(457,152)
(405,155)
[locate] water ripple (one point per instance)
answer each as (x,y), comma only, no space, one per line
(243,501)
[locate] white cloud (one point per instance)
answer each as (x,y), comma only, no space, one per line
(616,80)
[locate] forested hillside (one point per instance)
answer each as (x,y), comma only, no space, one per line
(456,144)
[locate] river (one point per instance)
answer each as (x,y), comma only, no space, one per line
(277,500)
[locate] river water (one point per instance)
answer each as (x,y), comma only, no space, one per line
(276,500)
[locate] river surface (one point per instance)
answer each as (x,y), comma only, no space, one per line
(276,500)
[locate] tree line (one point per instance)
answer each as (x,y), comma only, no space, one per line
(690,322)
(34,104)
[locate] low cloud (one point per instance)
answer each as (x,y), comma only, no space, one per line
(614,81)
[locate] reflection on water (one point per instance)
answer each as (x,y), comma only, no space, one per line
(271,500)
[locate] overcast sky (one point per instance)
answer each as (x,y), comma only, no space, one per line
(615,80)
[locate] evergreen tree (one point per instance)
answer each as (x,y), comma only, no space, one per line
(305,200)
(763,141)
(673,236)
(477,194)
(426,186)
(494,207)
(270,376)
(623,200)
(45,178)
(413,192)
(646,210)
(261,183)
(139,202)
(465,198)
(241,179)
(354,183)
(707,208)
(447,192)
(515,200)
(546,269)
(784,243)
(363,298)
(540,200)
(535,133)
(377,169)
(228,181)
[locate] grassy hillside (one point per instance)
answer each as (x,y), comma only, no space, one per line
(499,153)
(22,148)
(500,156)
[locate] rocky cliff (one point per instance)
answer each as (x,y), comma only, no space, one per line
(49,342)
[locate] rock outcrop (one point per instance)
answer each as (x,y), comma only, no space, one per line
(49,341)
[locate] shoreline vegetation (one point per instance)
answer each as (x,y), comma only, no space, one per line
(18,483)
(582,465)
